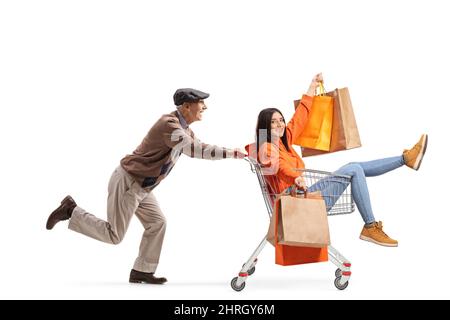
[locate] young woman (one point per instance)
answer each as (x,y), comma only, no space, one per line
(275,153)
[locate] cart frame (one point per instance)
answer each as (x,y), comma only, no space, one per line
(343,271)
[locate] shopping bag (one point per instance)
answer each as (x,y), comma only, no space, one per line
(271,232)
(317,131)
(303,222)
(344,133)
(286,255)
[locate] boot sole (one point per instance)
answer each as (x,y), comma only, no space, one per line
(379,243)
(421,153)
(145,282)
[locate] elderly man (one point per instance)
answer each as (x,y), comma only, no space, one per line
(131,184)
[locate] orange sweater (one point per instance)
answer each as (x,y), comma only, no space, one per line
(279,163)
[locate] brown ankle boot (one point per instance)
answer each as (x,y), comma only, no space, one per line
(414,156)
(63,212)
(145,277)
(374,233)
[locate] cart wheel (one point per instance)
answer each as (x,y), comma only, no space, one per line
(251,270)
(235,287)
(339,285)
(338,273)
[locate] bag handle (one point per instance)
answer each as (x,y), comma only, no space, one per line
(295,188)
(321,89)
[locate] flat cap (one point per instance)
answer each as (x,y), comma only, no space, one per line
(188,95)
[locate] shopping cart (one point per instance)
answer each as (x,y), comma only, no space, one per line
(337,204)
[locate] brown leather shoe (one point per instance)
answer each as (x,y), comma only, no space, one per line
(63,212)
(145,277)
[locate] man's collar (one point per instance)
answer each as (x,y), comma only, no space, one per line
(183,122)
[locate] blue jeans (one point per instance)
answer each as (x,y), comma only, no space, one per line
(332,186)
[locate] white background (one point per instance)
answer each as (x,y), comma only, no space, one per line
(81,82)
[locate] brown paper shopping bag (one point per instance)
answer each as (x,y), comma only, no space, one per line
(344,133)
(271,232)
(303,222)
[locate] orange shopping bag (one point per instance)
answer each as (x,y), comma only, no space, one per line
(317,132)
